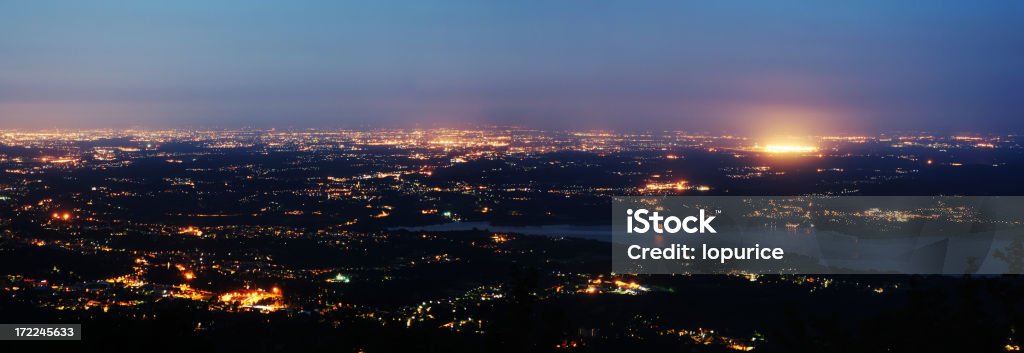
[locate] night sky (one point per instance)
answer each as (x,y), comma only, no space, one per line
(714,66)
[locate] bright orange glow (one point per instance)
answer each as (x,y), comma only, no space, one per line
(127,280)
(629,285)
(257,299)
(740,347)
(190,230)
(779,149)
(499,238)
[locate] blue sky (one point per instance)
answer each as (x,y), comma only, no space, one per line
(732,66)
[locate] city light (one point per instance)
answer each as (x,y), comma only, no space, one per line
(788,149)
(359,209)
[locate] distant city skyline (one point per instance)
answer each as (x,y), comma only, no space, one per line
(741,67)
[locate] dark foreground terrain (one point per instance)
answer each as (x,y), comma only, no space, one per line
(264,241)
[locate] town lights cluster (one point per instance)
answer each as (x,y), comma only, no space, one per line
(265,301)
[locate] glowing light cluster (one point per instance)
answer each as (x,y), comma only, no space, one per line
(339,278)
(185,291)
(190,230)
(260,299)
(789,149)
(679,185)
